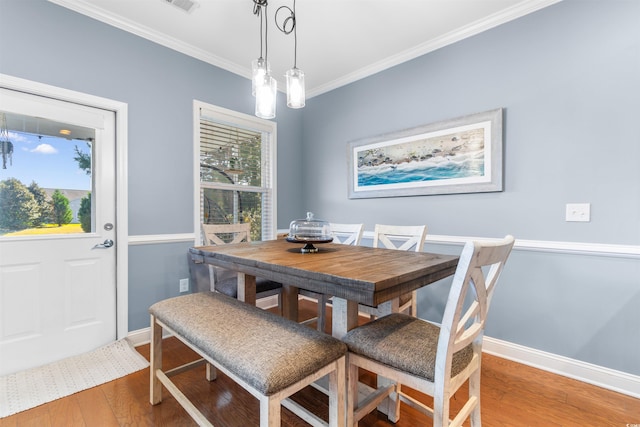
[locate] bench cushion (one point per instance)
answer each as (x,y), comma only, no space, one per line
(267,351)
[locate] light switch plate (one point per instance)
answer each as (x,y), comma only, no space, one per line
(578,212)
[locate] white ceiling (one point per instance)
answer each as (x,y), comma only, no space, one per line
(339,41)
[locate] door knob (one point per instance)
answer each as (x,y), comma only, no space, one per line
(106,244)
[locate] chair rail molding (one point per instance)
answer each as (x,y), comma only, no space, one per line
(153,239)
(578,248)
(549,246)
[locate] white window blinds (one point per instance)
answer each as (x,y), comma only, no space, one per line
(236,176)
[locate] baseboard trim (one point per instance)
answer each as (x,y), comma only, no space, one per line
(140,337)
(599,376)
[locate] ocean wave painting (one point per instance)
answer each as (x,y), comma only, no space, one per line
(453,156)
(436,168)
(444,157)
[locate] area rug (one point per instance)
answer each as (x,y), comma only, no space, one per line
(33,387)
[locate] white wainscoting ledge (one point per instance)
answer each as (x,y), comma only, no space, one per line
(149,239)
(549,246)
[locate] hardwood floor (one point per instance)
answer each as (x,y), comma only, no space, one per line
(512,395)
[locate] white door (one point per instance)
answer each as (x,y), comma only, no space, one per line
(57,291)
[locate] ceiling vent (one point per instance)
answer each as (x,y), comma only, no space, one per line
(185,5)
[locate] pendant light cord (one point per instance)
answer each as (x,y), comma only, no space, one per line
(288,26)
(257,10)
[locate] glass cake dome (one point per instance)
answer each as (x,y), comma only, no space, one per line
(309,231)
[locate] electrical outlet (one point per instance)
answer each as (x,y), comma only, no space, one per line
(184,285)
(579,212)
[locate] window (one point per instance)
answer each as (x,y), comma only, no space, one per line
(236,170)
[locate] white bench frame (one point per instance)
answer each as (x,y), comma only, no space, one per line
(270,406)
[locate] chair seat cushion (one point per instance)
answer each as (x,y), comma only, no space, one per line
(405,343)
(229,286)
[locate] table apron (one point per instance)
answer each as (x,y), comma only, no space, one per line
(343,290)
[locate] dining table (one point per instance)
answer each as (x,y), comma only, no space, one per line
(351,275)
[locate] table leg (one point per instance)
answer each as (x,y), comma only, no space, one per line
(290,302)
(247,288)
(344,316)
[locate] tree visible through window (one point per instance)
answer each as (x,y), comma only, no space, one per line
(235,174)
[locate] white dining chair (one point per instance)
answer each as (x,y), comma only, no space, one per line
(399,237)
(345,234)
(433,359)
(226,281)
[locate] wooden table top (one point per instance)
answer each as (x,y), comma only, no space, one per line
(363,274)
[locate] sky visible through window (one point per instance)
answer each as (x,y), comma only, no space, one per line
(46,160)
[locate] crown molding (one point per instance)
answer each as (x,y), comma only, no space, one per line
(521,9)
(106,17)
(515,12)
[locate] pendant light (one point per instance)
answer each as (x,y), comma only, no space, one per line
(266,96)
(260,66)
(294,76)
(264,86)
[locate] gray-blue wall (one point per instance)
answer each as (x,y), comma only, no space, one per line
(567,77)
(46,43)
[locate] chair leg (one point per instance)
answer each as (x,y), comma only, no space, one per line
(474,391)
(269,412)
(210,372)
(337,389)
(280,312)
(440,408)
(155,386)
(394,405)
(352,394)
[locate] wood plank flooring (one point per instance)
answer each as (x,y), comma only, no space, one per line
(512,395)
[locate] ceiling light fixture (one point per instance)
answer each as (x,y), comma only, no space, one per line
(263,86)
(295,76)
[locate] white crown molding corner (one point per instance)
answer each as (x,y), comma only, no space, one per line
(517,11)
(101,15)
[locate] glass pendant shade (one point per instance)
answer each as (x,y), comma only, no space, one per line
(266,91)
(259,68)
(295,88)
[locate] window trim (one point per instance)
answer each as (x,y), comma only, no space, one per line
(241,120)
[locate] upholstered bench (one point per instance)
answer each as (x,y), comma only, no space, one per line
(269,356)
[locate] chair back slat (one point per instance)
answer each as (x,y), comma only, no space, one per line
(401,237)
(346,234)
(222,234)
(463,322)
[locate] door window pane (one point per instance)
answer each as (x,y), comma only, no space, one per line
(46,182)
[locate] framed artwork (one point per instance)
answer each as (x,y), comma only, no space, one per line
(461,155)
